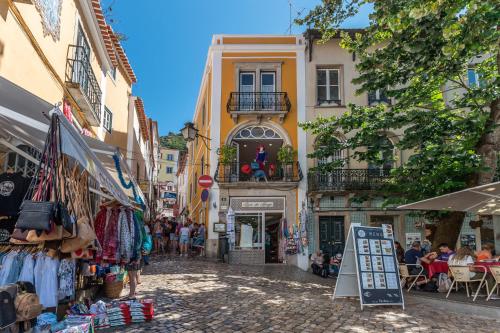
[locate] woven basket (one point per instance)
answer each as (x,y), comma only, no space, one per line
(113,289)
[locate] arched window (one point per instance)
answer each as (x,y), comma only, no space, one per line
(256,132)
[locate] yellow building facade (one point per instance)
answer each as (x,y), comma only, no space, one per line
(251,98)
(65,54)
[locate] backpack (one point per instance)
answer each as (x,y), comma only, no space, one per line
(430,286)
(444,283)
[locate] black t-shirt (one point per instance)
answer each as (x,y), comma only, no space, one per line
(13,187)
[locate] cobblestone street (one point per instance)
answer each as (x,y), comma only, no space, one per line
(200,296)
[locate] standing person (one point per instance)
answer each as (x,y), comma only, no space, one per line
(158,236)
(199,241)
(173,236)
(147,244)
(184,239)
(166,235)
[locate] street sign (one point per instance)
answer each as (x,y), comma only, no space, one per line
(205,181)
(370,256)
(204,195)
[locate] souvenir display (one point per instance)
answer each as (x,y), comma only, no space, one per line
(55,247)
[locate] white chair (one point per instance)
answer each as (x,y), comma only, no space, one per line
(495,271)
(461,274)
(404,272)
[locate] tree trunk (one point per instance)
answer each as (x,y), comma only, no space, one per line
(489,144)
(447,230)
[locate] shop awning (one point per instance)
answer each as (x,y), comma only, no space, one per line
(25,117)
(484,199)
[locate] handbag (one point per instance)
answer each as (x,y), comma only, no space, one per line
(8,314)
(27,306)
(55,234)
(36,215)
(86,235)
(37,210)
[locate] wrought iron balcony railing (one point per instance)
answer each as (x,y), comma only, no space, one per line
(83,83)
(240,172)
(259,102)
(348,180)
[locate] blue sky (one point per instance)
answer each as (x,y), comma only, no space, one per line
(168,42)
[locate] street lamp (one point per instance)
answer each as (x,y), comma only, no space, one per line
(189,132)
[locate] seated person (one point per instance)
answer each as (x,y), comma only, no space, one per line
(465,257)
(335,264)
(486,252)
(413,257)
(317,262)
(444,252)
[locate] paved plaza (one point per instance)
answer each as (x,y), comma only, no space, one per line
(202,296)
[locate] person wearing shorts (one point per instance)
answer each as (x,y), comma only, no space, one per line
(184,239)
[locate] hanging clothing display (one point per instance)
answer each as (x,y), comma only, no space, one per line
(121,232)
(27,272)
(66,276)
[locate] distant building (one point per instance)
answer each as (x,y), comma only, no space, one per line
(167,181)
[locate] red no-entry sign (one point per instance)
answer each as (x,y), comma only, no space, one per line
(205,181)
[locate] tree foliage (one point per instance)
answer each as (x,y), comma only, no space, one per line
(173,141)
(420,52)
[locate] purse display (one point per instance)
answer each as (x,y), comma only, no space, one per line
(36,215)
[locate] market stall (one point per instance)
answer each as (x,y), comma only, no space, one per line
(71,221)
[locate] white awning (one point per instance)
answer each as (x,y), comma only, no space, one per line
(25,117)
(484,199)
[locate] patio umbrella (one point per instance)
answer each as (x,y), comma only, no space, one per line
(484,199)
(230,227)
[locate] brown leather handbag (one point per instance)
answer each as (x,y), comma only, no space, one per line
(27,306)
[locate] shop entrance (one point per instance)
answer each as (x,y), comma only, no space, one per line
(331,234)
(272,238)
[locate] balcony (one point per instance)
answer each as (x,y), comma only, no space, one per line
(258,104)
(242,176)
(343,180)
(82,84)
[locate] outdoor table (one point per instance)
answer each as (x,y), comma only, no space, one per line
(487,264)
(436,267)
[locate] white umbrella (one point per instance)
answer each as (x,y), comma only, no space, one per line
(484,199)
(230,227)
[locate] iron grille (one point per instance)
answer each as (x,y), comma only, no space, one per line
(348,180)
(79,71)
(258,101)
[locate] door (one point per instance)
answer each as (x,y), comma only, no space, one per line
(247,91)
(268,89)
(331,234)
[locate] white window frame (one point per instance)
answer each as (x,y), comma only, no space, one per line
(328,85)
(107,119)
(170,157)
(171,169)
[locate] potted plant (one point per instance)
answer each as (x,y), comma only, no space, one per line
(227,155)
(286,157)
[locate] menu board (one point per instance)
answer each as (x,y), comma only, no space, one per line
(377,266)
